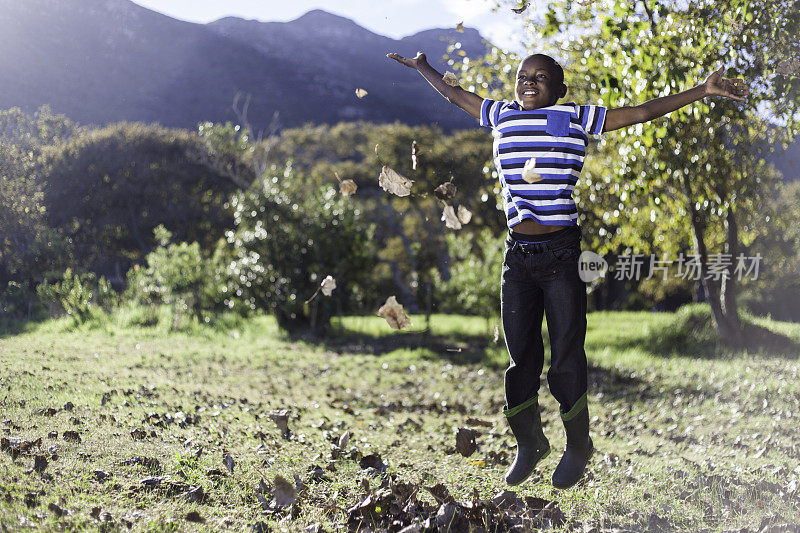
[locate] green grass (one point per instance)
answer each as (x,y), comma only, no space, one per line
(690,438)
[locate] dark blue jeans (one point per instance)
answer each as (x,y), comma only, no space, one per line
(542,279)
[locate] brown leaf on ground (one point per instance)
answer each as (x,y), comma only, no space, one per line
(228,461)
(57,510)
(394,314)
(445,191)
(40,463)
(373,460)
(465,441)
(478,422)
(285,492)
(148,462)
(139,434)
(281,419)
(391,181)
(440,493)
(450,79)
(72,436)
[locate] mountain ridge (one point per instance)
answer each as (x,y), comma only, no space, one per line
(102,61)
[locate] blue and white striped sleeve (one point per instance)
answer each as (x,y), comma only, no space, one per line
(490,112)
(593,117)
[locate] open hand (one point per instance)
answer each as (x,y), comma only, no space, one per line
(733,88)
(414,62)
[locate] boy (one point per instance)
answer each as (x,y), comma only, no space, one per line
(540,266)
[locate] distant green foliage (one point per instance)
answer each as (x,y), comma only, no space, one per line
(79,293)
(284,245)
(108,188)
(474,284)
(182,277)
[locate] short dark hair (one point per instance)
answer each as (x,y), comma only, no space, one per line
(554,65)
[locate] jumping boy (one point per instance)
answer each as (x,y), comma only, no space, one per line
(540,265)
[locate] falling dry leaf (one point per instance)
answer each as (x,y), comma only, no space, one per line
(327,285)
(465,441)
(450,79)
(393,182)
(519,10)
(460,27)
(789,67)
(414,154)
(445,191)
(281,419)
(450,218)
(347,187)
(285,493)
(361,93)
(528,173)
(344,439)
(394,314)
(464,215)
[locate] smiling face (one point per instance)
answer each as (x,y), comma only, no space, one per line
(540,82)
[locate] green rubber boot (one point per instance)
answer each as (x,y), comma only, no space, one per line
(579,446)
(532,445)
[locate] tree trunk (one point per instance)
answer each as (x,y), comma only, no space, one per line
(729,331)
(728,292)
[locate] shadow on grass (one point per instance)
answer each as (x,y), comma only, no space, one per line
(10,327)
(691,333)
(456,348)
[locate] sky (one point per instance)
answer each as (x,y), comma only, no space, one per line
(394,18)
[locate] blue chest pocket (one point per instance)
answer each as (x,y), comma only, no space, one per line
(558,123)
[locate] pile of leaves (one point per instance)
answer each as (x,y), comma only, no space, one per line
(395,506)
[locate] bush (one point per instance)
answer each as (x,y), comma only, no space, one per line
(474,284)
(79,293)
(17,300)
(179,276)
(284,246)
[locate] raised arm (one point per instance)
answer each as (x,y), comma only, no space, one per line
(466,100)
(715,85)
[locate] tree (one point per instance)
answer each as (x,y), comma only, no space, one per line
(30,251)
(107,189)
(284,245)
(700,171)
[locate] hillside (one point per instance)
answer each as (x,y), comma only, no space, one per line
(101,61)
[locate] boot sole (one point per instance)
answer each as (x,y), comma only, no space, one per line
(542,458)
(562,487)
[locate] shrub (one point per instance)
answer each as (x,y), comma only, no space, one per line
(474,284)
(179,276)
(284,246)
(79,293)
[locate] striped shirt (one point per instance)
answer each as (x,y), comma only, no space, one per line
(556,136)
